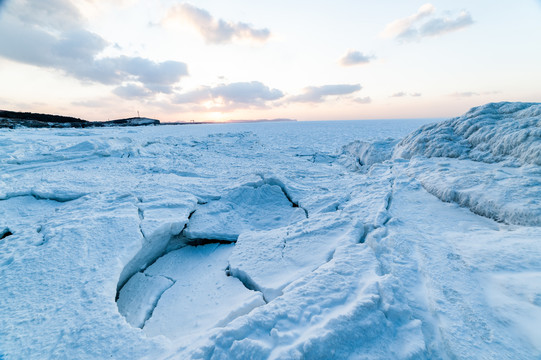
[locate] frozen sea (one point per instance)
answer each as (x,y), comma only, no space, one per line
(402,239)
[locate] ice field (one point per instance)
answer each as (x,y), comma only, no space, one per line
(322,240)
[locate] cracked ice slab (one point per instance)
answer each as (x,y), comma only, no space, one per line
(202,297)
(162,215)
(272,259)
(63,292)
(243,209)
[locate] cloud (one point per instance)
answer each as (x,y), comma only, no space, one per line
(52,14)
(467,94)
(364,100)
(355,58)
(464,94)
(442,25)
(402,27)
(404,94)
(317,94)
(215,31)
(131,91)
(409,28)
(75,52)
(231,96)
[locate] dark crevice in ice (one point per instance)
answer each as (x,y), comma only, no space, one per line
(5,233)
(51,197)
(201,241)
(389,198)
(140,211)
(280,184)
(366,230)
(246,280)
(387,207)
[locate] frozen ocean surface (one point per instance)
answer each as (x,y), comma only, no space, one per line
(346,240)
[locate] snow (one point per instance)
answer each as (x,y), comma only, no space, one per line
(359,240)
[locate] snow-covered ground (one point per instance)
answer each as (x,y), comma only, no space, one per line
(359,240)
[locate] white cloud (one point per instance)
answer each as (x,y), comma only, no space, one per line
(442,25)
(231,96)
(364,100)
(399,94)
(464,94)
(74,51)
(215,31)
(354,57)
(402,27)
(317,94)
(404,94)
(411,27)
(51,14)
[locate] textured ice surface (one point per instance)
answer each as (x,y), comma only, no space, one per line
(495,132)
(282,241)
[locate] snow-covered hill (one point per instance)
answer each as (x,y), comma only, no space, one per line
(282,241)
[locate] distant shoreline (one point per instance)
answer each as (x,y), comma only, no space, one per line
(16,119)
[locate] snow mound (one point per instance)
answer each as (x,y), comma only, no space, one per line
(496,132)
(358,154)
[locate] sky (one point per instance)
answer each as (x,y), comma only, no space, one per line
(217,60)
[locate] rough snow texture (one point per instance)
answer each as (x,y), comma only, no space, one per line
(360,154)
(496,132)
(492,156)
(274,241)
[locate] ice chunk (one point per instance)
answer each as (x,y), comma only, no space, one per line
(242,209)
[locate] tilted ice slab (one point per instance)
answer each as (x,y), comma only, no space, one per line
(495,132)
(257,206)
(162,215)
